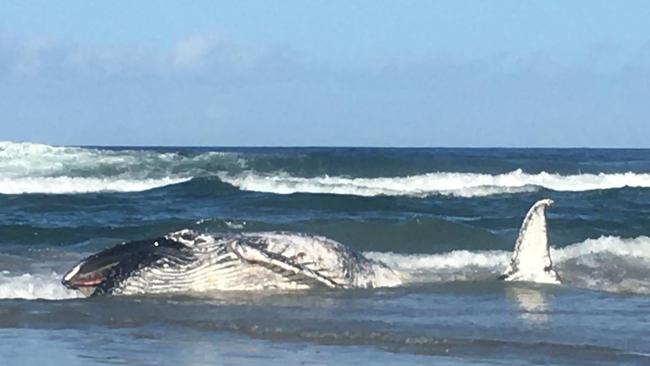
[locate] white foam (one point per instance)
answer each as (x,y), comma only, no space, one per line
(34,286)
(638,247)
(445,183)
(633,248)
(607,263)
(457,259)
(63,185)
(38,168)
(28,159)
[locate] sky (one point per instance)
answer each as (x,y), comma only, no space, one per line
(326,73)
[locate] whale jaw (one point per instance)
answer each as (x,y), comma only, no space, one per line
(105,272)
(531,258)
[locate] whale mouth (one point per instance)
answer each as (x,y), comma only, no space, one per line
(87,291)
(85,282)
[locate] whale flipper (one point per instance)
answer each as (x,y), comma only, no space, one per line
(531,260)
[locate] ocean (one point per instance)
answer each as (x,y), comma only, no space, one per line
(446,217)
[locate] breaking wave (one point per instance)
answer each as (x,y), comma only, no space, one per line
(34,286)
(66,185)
(38,160)
(607,263)
(37,168)
(444,183)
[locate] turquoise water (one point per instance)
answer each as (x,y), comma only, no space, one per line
(448,217)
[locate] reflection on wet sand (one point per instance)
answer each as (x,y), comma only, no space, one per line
(531,302)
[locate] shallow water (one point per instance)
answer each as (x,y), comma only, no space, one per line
(452,323)
(446,218)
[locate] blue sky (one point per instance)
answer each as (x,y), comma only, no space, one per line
(353,73)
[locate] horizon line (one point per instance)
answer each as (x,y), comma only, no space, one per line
(325,146)
(363,147)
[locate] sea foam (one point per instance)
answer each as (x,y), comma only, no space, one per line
(34,286)
(39,168)
(608,263)
(66,185)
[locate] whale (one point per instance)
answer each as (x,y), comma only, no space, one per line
(190,261)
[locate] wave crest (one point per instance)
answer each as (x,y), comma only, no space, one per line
(23,164)
(34,286)
(39,168)
(455,184)
(67,185)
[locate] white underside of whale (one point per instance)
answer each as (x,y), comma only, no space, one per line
(258,261)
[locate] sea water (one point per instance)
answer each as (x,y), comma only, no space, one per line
(446,218)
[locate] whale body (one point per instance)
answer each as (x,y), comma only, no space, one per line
(186,261)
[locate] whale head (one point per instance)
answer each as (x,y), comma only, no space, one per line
(105,272)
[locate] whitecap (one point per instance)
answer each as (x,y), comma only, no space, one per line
(443,183)
(67,185)
(608,263)
(34,286)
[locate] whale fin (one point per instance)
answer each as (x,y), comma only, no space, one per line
(531,259)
